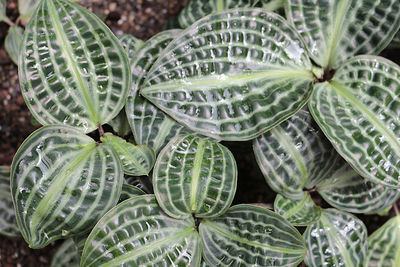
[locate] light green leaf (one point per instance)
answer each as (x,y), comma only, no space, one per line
(294,155)
(131,44)
(141,182)
(193,175)
(129,191)
(135,160)
(13,42)
(73,71)
(337,239)
(8,223)
(150,126)
(248,235)
(3,6)
(384,245)
(66,255)
(232,75)
(336,30)
(298,212)
(120,124)
(358,111)
(137,233)
(62,182)
(26,9)
(348,191)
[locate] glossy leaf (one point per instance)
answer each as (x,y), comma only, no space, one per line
(150,126)
(131,44)
(298,212)
(193,175)
(232,75)
(137,233)
(337,239)
(135,160)
(336,30)
(248,235)
(62,183)
(294,155)
(129,191)
(66,255)
(8,223)
(120,124)
(358,111)
(348,191)
(73,71)
(141,182)
(13,42)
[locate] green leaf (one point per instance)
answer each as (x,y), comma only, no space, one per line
(337,239)
(248,235)
(150,126)
(62,182)
(13,42)
(138,233)
(396,41)
(294,155)
(129,191)
(193,175)
(298,212)
(358,111)
(131,44)
(348,191)
(79,241)
(135,160)
(336,30)
(384,245)
(141,182)
(3,6)
(8,223)
(73,71)
(26,9)
(66,255)
(232,75)
(120,124)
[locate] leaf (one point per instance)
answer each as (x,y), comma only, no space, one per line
(384,245)
(193,175)
(131,44)
(141,182)
(358,111)
(120,124)
(79,241)
(150,126)
(298,212)
(337,239)
(248,235)
(135,160)
(294,155)
(129,191)
(8,223)
(396,41)
(137,233)
(13,42)
(62,183)
(348,191)
(73,71)
(336,30)
(232,75)
(3,6)
(66,255)
(26,9)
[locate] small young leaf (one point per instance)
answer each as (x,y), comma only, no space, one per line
(13,42)
(120,124)
(8,223)
(66,255)
(129,191)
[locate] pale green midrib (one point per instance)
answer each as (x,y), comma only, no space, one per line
(342,179)
(165,127)
(370,116)
(248,242)
(69,56)
(220,5)
(273,5)
(195,178)
(121,259)
(296,208)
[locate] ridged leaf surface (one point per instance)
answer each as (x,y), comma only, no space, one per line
(232,75)
(131,44)
(8,222)
(66,255)
(129,191)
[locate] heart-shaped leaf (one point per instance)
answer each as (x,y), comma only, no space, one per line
(66,255)
(232,75)
(141,182)
(358,110)
(337,239)
(73,71)
(129,191)
(298,212)
(131,44)
(336,30)
(13,42)
(347,190)
(193,175)
(8,223)
(138,233)
(294,155)
(62,183)
(249,235)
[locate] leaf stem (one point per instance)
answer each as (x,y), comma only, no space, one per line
(396,209)
(101,130)
(8,21)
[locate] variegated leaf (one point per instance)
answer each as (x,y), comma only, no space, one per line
(66,255)
(249,235)
(129,191)
(135,160)
(73,71)
(141,182)
(138,233)
(13,42)
(193,175)
(232,75)
(62,182)
(150,126)
(384,245)
(8,223)
(348,191)
(358,110)
(131,44)
(337,239)
(294,155)
(336,30)
(298,212)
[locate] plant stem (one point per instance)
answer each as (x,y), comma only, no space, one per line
(101,131)
(396,209)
